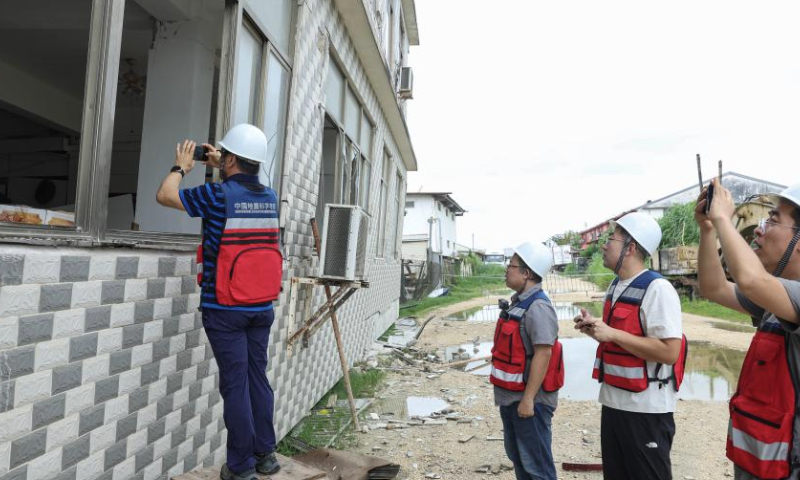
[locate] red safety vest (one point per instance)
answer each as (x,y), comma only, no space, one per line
(509,356)
(616,366)
(762,410)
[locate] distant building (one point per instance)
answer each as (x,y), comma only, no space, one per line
(741,186)
(430,214)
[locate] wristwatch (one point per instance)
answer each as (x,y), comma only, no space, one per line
(178,169)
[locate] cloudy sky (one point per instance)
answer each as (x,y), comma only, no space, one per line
(542,116)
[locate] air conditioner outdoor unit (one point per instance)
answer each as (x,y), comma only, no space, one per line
(344,242)
(406,83)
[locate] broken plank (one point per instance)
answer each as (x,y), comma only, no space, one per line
(290,470)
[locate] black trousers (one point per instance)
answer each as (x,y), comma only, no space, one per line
(635,445)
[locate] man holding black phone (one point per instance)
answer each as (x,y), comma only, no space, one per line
(640,357)
(241,276)
(763,433)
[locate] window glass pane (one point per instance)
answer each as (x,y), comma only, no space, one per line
(275,119)
(277,16)
(334,86)
(156,107)
(398,196)
(352,113)
(43,62)
(366,181)
(327,178)
(248,73)
(344,171)
(365,139)
(382,211)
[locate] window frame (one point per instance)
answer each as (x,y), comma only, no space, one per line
(352,152)
(97,128)
(96,137)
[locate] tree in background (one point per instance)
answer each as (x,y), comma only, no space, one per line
(678,227)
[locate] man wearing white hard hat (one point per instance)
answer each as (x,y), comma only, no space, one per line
(640,358)
(239,272)
(527,368)
(764,429)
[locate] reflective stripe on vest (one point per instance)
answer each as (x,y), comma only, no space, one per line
(775,451)
(763,409)
(505,376)
(250,223)
(624,372)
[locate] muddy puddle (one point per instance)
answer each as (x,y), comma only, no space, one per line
(490,313)
(734,327)
(403,408)
(711,371)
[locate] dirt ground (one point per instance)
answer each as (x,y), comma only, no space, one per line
(436,451)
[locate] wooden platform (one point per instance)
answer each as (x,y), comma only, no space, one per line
(290,470)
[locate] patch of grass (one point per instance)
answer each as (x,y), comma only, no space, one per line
(710,309)
(598,273)
(364,384)
(595,309)
(322,423)
(462,289)
(388,333)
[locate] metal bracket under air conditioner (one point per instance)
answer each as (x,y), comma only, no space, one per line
(346,288)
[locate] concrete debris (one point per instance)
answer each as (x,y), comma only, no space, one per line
(465,440)
(435,422)
(374,416)
(432,475)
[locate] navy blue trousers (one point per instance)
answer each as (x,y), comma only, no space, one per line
(528,441)
(239,341)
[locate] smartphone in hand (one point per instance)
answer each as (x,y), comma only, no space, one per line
(200,153)
(709,197)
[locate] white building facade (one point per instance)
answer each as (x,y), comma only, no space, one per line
(106,371)
(430,215)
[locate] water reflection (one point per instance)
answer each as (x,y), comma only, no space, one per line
(408,407)
(711,372)
(490,313)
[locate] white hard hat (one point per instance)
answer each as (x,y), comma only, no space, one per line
(536,256)
(246,141)
(643,228)
(791,194)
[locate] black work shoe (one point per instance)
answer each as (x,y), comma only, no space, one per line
(227,474)
(267,463)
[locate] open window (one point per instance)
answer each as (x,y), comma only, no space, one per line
(96,93)
(386,178)
(345,176)
(43,66)
(169,82)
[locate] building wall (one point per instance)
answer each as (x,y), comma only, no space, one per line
(104,365)
(416,222)
(415,250)
(105,371)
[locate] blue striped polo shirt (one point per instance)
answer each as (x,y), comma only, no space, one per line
(207,201)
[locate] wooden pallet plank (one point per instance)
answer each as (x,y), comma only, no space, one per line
(290,470)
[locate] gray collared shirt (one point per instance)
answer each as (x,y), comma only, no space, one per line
(539,326)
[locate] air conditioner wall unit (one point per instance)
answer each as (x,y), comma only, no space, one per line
(344,243)
(406,83)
